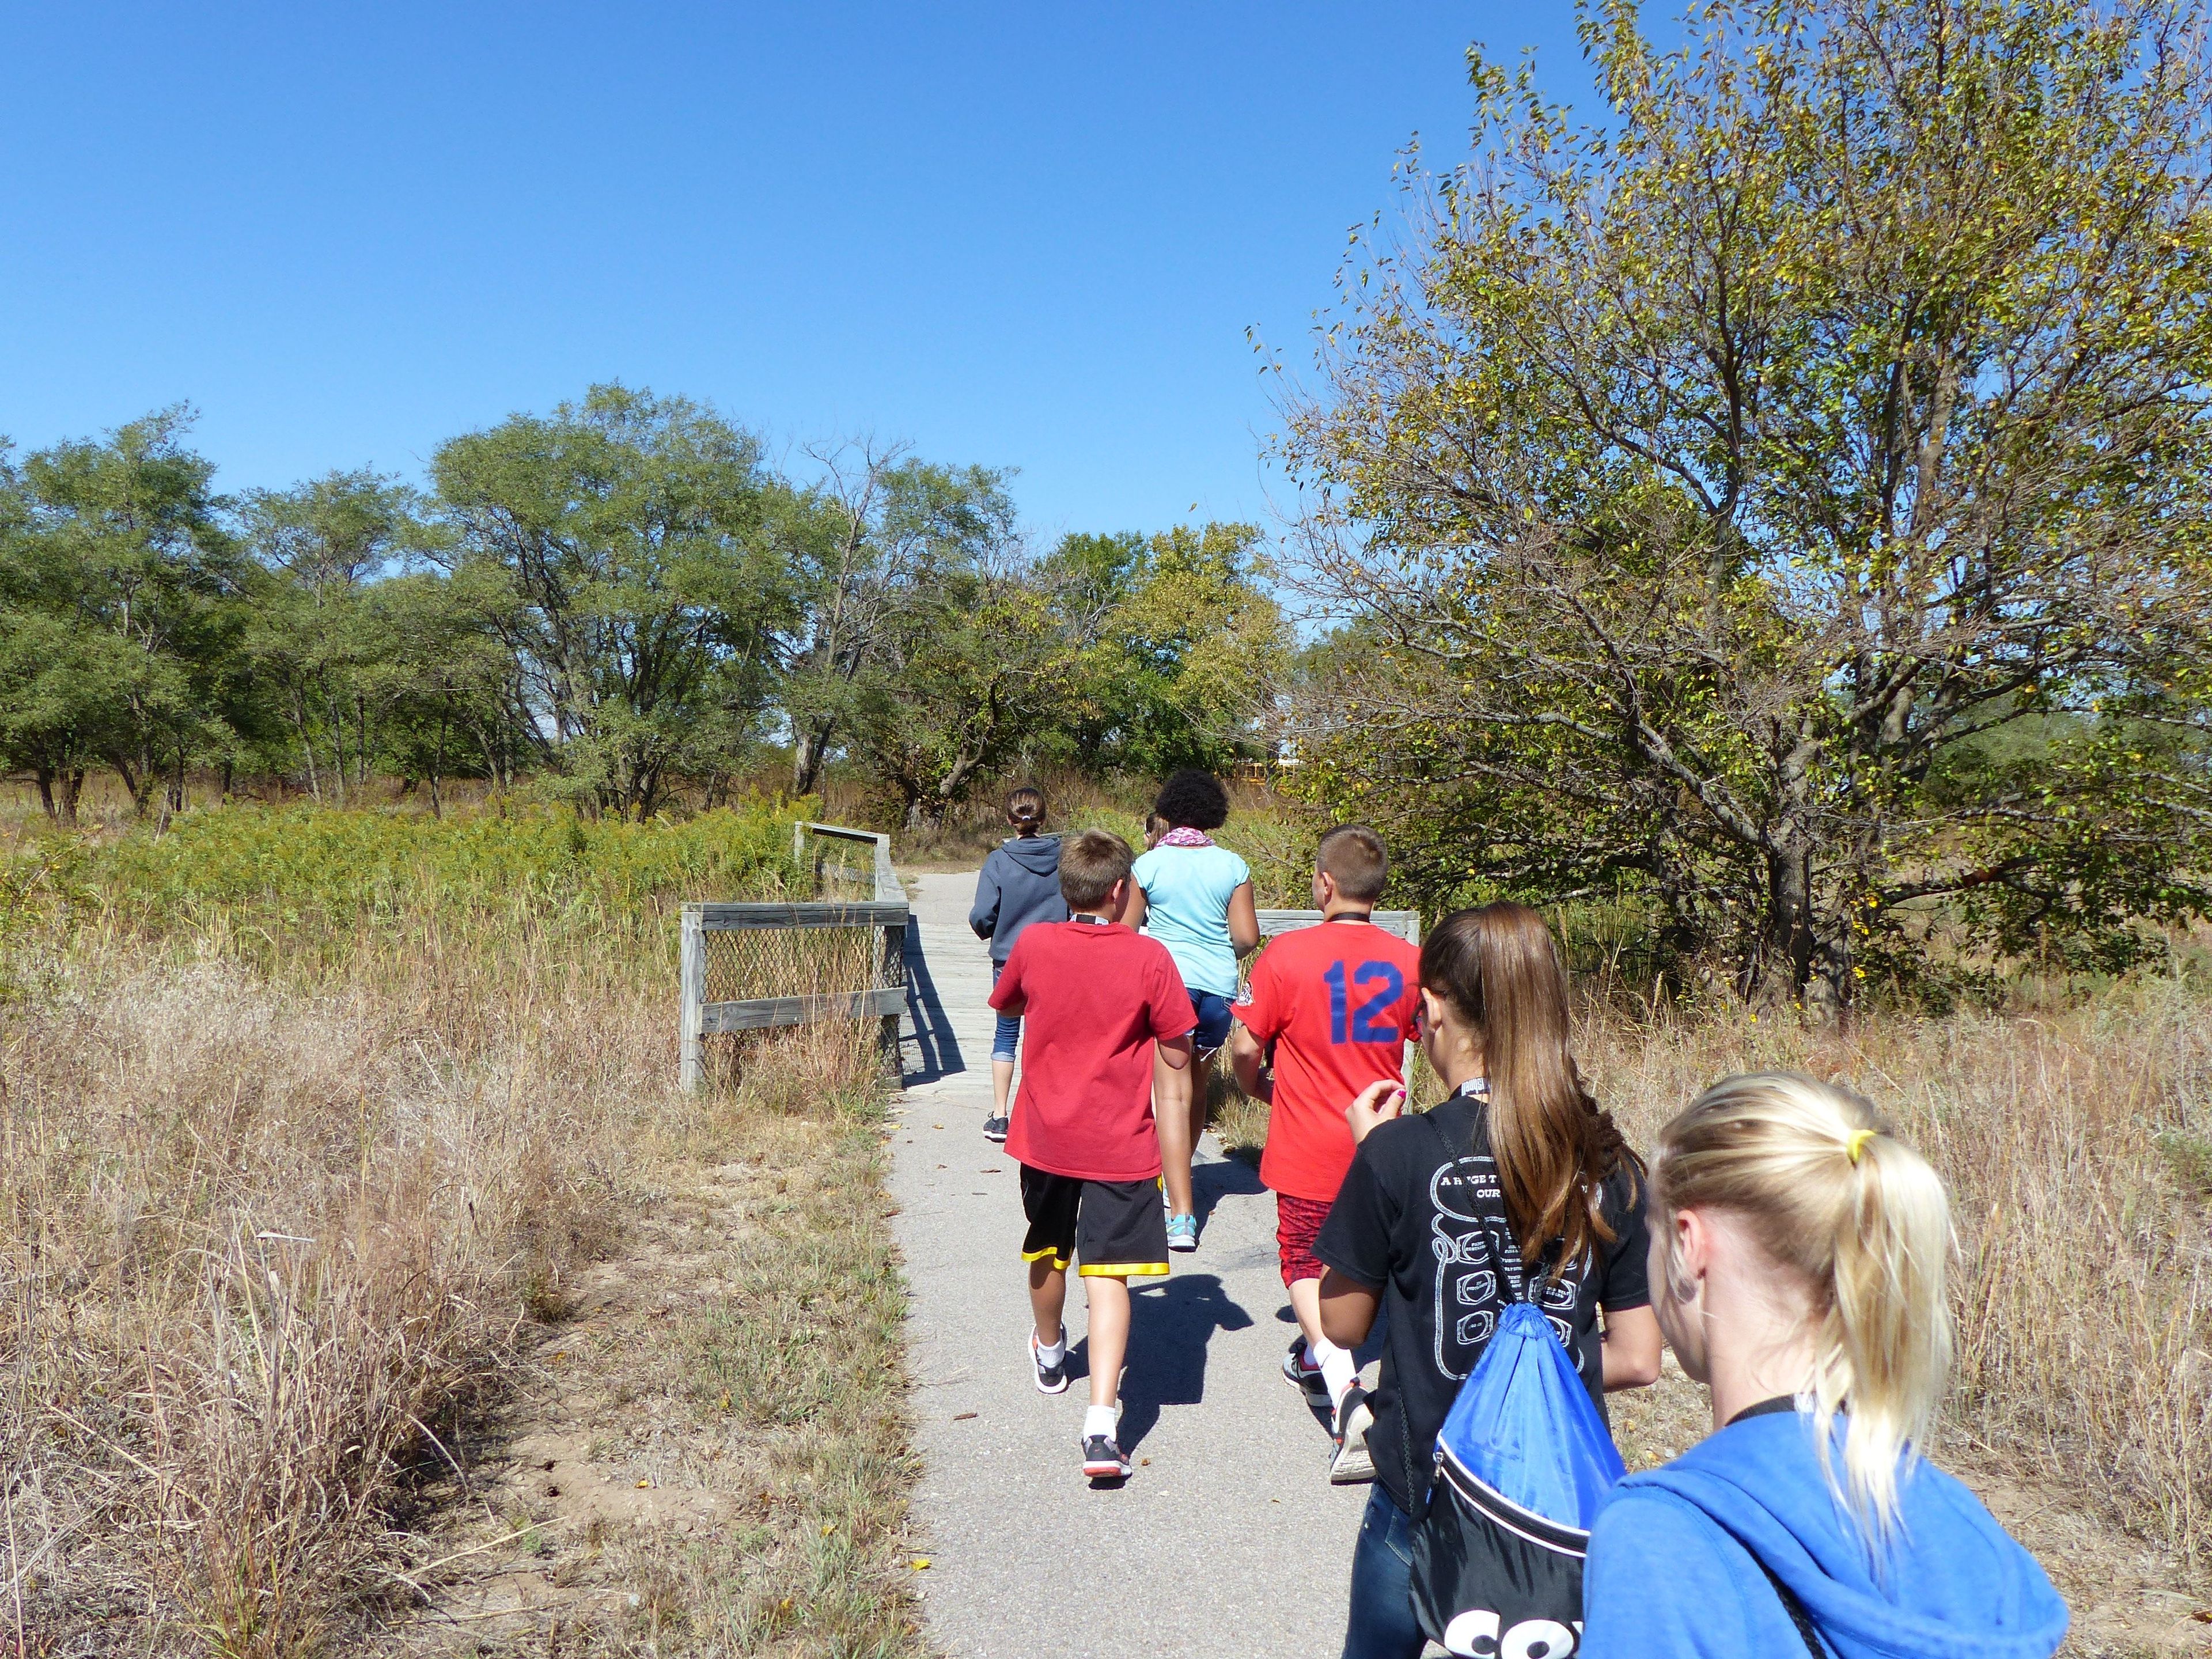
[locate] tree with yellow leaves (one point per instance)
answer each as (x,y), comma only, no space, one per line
(1784,501)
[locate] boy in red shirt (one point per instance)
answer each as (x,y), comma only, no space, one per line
(1097,996)
(1338,1003)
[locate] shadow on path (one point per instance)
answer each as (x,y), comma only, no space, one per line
(1232,1178)
(1170,1326)
(937,1050)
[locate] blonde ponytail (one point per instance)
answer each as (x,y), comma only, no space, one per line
(1862,1222)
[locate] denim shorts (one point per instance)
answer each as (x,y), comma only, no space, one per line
(1212,1029)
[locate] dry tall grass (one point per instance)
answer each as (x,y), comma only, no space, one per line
(2070,1143)
(287,1192)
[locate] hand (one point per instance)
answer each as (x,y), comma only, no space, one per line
(1378,1103)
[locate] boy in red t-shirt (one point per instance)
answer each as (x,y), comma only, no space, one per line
(1338,1002)
(1098,997)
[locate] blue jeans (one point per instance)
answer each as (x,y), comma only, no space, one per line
(1007,1041)
(1382,1624)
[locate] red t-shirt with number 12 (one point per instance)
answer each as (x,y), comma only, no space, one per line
(1337,1000)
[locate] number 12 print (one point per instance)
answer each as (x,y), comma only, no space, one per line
(1363,1021)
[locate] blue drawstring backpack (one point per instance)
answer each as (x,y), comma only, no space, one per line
(1523,1460)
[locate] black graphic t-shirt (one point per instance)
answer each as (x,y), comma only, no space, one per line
(1421,1218)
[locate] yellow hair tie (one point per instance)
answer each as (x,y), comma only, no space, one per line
(1854,1143)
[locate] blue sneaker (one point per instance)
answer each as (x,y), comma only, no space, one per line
(1183,1232)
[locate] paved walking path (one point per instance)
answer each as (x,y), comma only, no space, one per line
(1228,1539)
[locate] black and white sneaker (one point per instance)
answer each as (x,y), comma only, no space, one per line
(1352,1464)
(994,1128)
(1052,1378)
(1103,1460)
(1300,1375)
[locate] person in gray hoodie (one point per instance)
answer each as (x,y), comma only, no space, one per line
(1797,1263)
(1019,884)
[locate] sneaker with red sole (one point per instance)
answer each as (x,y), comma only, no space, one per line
(1105,1461)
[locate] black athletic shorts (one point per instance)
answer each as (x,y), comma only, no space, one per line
(1117,1227)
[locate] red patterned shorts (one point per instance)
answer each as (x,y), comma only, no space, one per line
(1297,1224)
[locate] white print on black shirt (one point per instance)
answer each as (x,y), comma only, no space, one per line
(1470,1290)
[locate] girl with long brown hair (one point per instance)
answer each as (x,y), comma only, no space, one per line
(1517,1167)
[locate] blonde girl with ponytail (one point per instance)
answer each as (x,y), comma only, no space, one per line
(1799,1252)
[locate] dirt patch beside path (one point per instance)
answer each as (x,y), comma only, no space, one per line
(708,1452)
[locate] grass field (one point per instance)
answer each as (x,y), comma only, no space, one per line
(342,1165)
(369,1287)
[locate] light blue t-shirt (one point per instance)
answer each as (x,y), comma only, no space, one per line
(1187,892)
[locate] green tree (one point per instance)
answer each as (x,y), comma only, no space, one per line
(440,682)
(631,551)
(327,540)
(968,670)
(1787,499)
(872,542)
(126,601)
(51,702)
(1182,645)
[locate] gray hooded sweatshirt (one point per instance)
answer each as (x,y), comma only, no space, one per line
(1019,884)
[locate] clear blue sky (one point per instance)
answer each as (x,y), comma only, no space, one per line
(1027,235)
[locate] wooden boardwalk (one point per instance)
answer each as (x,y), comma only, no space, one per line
(1229,1538)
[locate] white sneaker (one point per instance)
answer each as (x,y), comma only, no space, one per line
(1352,1464)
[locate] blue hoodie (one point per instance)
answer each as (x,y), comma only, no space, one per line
(1019,884)
(1672,1573)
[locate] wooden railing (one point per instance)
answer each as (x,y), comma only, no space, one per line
(812,845)
(773,952)
(1405,924)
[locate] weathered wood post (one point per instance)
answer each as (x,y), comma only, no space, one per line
(894,975)
(692,961)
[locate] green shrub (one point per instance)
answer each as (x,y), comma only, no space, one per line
(306,887)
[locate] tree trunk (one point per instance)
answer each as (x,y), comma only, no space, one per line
(334,710)
(137,779)
(307,748)
(807,749)
(46,792)
(1781,958)
(489,747)
(438,768)
(1830,985)
(71,779)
